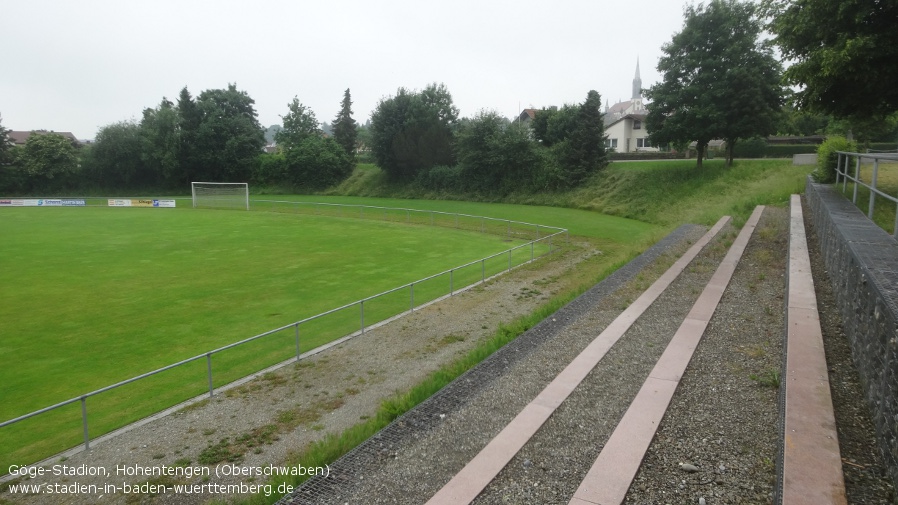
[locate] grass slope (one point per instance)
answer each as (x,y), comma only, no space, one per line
(665,193)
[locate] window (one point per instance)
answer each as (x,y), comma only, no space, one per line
(643,143)
(637,124)
(610,143)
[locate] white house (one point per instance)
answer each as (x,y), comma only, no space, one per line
(625,122)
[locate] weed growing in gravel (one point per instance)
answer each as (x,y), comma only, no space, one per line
(768,378)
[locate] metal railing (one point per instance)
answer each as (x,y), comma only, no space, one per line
(541,235)
(842,176)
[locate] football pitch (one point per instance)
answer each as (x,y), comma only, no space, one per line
(93,296)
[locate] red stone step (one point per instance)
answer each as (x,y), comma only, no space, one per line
(812,465)
(480,471)
(610,477)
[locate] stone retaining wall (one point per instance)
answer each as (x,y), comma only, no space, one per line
(862,261)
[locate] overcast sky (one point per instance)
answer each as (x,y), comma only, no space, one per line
(79,65)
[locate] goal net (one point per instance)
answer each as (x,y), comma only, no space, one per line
(220,195)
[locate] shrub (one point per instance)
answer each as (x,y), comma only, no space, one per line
(827,158)
(755,147)
(318,163)
(272,169)
(787,150)
(440,178)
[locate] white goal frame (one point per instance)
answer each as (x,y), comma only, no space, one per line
(220,195)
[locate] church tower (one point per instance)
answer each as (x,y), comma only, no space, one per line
(637,84)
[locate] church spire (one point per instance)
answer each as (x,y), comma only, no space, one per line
(637,83)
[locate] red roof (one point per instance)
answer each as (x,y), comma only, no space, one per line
(20,137)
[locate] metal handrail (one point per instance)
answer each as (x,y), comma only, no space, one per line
(844,177)
(295,325)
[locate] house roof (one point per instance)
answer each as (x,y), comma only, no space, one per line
(21,137)
(527,115)
(610,120)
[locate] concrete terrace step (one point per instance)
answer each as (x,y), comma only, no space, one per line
(610,476)
(811,466)
(475,476)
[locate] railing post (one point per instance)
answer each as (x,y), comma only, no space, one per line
(873,187)
(531,251)
(84,422)
(509,259)
(362,315)
(857,177)
(895,233)
(296,326)
(412,297)
(209,371)
(451,281)
(845,175)
(483,270)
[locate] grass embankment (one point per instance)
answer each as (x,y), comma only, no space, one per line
(665,194)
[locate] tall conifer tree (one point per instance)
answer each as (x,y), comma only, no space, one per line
(345,131)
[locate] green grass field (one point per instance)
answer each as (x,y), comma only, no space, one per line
(93,296)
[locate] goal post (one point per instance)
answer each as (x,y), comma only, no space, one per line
(220,195)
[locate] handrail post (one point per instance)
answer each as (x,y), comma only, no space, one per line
(296,326)
(209,371)
(362,315)
(451,282)
(857,178)
(845,175)
(483,270)
(873,188)
(84,422)
(412,297)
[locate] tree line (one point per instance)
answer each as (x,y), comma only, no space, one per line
(215,136)
(720,80)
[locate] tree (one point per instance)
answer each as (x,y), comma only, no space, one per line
(299,124)
(496,155)
(317,162)
(843,54)
(229,139)
(48,158)
(718,80)
(583,153)
(189,122)
(5,144)
(344,127)
(116,155)
(10,175)
(801,123)
(413,131)
(160,144)
(553,125)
